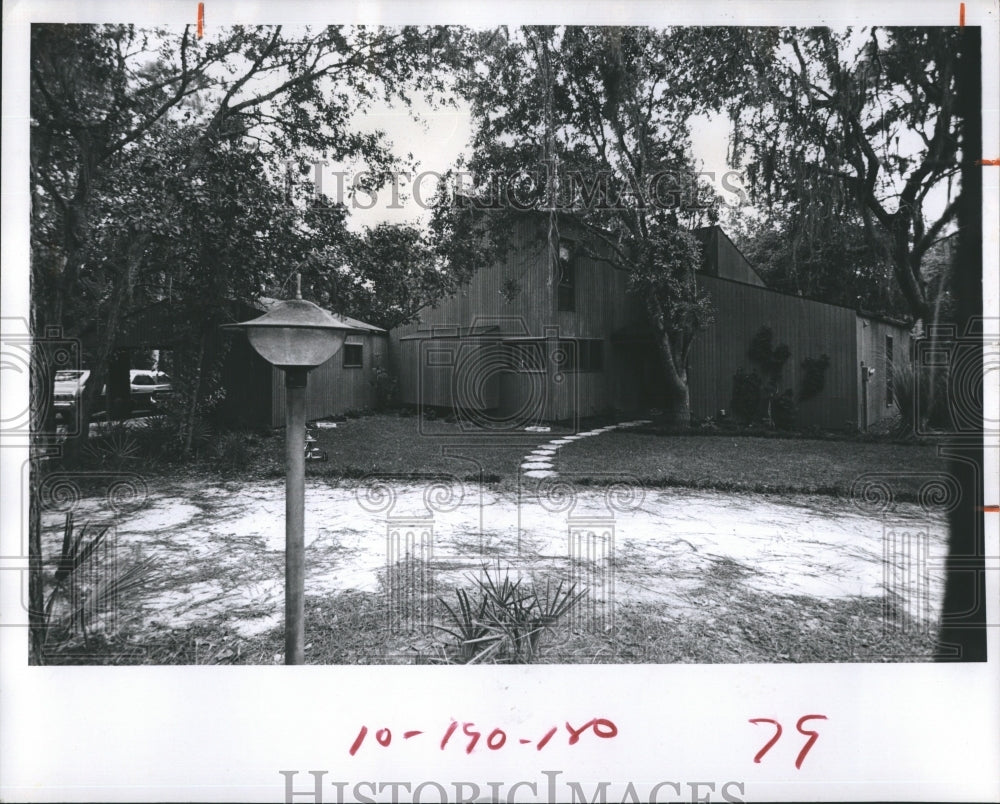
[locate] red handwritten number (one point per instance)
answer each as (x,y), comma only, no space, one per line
(358,740)
(384,736)
(770,743)
(612,729)
(447,734)
(475,735)
(813,737)
(545,740)
(496,739)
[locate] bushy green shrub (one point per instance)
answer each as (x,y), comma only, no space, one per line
(748,396)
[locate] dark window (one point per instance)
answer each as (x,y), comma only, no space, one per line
(888,371)
(566,274)
(353,355)
(583,355)
(523,356)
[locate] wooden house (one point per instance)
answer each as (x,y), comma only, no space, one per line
(550,334)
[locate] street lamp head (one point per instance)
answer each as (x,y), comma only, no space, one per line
(295,334)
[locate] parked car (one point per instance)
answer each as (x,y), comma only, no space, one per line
(68,389)
(145,387)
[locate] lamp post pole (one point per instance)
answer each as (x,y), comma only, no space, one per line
(295,487)
(296,336)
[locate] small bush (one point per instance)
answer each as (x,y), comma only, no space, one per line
(784,410)
(233,450)
(814,376)
(505,621)
(748,394)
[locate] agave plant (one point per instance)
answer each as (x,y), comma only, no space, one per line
(82,601)
(507,622)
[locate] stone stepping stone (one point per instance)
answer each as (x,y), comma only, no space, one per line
(539,473)
(560,442)
(536,465)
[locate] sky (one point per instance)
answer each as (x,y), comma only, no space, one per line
(439,136)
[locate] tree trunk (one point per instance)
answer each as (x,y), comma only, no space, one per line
(677,396)
(193,402)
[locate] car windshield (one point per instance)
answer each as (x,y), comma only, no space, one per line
(67,376)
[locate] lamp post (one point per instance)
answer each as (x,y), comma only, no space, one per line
(296,336)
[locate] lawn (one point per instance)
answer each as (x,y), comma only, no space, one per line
(392,444)
(770,465)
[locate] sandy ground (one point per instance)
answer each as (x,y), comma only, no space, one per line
(220,547)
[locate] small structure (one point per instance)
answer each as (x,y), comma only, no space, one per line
(255,390)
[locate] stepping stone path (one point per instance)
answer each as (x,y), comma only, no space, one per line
(538,463)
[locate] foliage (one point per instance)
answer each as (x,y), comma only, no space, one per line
(921,399)
(847,124)
(507,620)
(784,410)
(758,395)
(588,125)
(232,451)
(748,395)
(81,599)
(114,446)
(155,158)
(828,258)
(813,376)
(386,385)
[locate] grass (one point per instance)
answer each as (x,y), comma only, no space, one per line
(746,627)
(744,463)
(394,444)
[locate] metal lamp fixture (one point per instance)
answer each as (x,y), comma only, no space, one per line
(296,336)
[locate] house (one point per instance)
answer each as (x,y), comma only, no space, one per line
(551,334)
(254,389)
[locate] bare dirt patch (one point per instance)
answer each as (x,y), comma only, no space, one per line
(673,575)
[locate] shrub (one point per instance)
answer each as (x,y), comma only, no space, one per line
(385,385)
(748,395)
(505,622)
(814,376)
(784,411)
(232,450)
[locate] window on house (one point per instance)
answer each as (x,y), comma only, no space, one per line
(888,371)
(566,275)
(584,355)
(520,356)
(353,355)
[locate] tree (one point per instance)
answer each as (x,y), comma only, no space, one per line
(829,259)
(594,122)
(105,98)
(861,120)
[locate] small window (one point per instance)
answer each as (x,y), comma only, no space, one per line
(523,356)
(566,275)
(888,371)
(584,355)
(353,355)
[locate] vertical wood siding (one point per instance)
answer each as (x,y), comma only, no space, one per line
(333,389)
(807,327)
(871,350)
